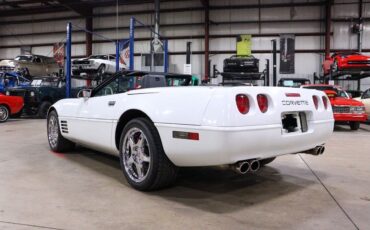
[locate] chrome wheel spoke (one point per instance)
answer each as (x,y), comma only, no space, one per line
(139,170)
(136,155)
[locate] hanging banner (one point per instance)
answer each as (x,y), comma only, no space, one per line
(287,50)
(59,53)
(124,53)
(244,45)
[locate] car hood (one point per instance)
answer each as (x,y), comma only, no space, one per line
(10,63)
(357,57)
(341,101)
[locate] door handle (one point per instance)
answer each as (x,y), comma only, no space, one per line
(111,103)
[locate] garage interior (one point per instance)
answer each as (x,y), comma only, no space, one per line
(85,189)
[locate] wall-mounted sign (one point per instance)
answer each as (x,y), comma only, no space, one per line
(287,50)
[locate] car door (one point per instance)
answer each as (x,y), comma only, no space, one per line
(95,116)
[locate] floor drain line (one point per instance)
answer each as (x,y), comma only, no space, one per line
(29,225)
(330,194)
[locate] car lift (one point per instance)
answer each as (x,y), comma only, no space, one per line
(347,75)
(238,77)
(69,51)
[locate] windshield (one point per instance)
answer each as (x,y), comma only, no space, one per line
(23,58)
(104,57)
(340,92)
(294,83)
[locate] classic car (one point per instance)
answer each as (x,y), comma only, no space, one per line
(156,130)
(95,64)
(345,109)
(346,61)
(40,95)
(12,79)
(241,64)
(35,65)
(293,82)
(365,98)
(9,105)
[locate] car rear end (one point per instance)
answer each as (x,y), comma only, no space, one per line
(243,123)
(243,64)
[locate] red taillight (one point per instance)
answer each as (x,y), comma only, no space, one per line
(263,102)
(315,101)
(325,101)
(242,102)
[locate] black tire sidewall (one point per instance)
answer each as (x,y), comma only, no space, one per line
(43,109)
(355,125)
(7,111)
(154,152)
(53,113)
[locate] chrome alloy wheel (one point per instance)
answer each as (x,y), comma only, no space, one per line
(136,155)
(53,131)
(4,113)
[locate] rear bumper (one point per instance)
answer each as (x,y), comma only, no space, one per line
(349,117)
(228,145)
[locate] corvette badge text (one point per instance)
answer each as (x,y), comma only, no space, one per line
(290,102)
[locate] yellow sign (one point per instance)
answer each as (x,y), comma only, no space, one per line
(244,45)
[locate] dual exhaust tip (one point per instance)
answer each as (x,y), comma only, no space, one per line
(318,150)
(243,167)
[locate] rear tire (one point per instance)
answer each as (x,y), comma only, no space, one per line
(56,141)
(355,125)
(4,113)
(143,160)
(266,161)
(42,112)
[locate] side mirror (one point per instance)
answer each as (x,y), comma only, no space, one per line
(85,93)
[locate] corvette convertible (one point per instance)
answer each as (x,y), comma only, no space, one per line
(156,130)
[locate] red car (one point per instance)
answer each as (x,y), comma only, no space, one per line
(346,61)
(345,109)
(9,105)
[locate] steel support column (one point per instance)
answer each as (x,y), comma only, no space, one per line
(68,59)
(359,35)
(132,40)
(89,36)
(327,28)
(206,39)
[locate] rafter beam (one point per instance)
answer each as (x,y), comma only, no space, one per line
(82,8)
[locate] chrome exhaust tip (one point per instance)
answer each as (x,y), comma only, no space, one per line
(241,167)
(318,150)
(255,165)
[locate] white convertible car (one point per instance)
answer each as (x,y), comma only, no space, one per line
(154,130)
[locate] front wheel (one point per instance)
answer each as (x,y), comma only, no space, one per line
(355,125)
(57,142)
(143,160)
(4,113)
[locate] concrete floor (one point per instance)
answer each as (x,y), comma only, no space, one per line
(86,190)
